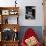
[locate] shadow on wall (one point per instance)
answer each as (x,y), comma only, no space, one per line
(37,29)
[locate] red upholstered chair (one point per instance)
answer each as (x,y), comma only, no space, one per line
(29,33)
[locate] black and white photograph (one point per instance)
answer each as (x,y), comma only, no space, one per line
(30,12)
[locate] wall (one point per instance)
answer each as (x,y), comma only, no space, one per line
(22,21)
(39,16)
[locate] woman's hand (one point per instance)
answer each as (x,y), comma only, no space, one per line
(32,41)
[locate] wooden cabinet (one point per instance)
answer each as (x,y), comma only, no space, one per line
(9,23)
(10,43)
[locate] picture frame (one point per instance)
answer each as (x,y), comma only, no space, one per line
(5,12)
(30,12)
(13,12)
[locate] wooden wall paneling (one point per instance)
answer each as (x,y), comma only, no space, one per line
(44,7)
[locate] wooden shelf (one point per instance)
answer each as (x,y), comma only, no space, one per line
(4,13)
(5,8)
(11,26)
(9,43)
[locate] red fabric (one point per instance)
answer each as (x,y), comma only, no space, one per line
(28,33)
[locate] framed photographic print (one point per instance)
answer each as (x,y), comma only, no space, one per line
(30,12)
(13,12)
(5,12)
